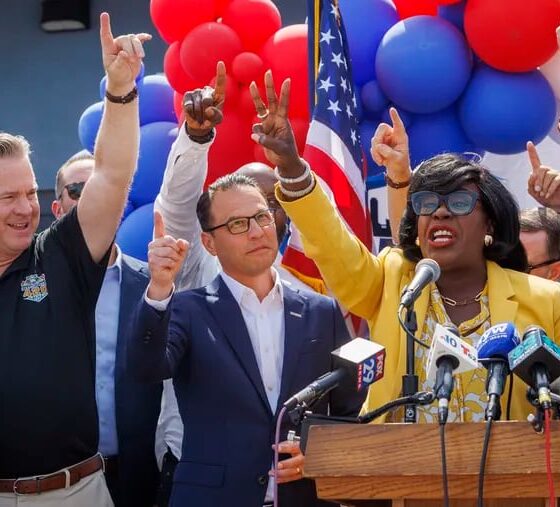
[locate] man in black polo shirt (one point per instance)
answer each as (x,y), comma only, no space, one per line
(49,284)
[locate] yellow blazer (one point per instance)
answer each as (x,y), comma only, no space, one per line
(370,287)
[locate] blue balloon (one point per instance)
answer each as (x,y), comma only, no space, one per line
(441,132)
(366,21)
(423,64)
(454,13)
(136,231)
(501,111)
(155,142)
(128,209)
(156,100)
(88,125)
(373,98)
(139,78)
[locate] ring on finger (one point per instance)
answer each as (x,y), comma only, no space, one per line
(262,116)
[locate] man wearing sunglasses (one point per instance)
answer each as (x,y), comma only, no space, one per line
(128,411)
(236,350)
(49,285)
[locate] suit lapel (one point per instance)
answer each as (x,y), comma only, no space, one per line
(294,336)
(228,317)
(500,292)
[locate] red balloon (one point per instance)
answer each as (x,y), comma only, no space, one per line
(232,148)
(179,80)
(178,107)
(247,67)
(513,35)
(221,6)
(448,2)
(205,46)
(254,20)
(259,156)
(175,18)
(245,106)
(285,53)
(409,8)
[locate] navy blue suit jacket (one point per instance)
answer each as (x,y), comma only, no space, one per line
(203,343)
(137,404)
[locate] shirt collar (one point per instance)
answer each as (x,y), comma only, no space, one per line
(117,265)
(237,289)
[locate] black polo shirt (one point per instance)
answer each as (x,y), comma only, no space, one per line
(48,415)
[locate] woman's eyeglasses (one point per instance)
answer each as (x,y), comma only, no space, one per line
(460,202)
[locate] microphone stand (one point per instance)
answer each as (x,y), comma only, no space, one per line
(410,380)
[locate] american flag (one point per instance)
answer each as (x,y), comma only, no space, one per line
(333,147)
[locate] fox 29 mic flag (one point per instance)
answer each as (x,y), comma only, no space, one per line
(333,147)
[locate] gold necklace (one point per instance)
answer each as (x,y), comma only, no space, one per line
(464,302)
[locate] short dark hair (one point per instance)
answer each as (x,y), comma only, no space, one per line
(81,155)
(448,172)
(227,182)
(543,219)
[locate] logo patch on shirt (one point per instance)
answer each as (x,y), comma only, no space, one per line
(34,288)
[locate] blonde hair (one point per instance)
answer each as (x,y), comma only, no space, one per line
(13,146)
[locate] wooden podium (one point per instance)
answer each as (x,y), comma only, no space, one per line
(390,465)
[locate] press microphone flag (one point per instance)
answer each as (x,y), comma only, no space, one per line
(359,361)
(536,361)
(427,271)
(447,343)
(492,349)
(448,355)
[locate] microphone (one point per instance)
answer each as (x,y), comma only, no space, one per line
(448,355)
(427,270)
(360,361)
(536,361)
(493,348)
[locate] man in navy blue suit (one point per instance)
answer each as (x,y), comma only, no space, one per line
(128,410)
(236,349)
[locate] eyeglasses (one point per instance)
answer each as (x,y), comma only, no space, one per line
(239,225)
(460,202)
(531,267)
(74,190)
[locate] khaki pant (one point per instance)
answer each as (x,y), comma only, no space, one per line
(91,491)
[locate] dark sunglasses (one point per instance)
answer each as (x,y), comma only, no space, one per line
(530,267)
(239,225)
(460,202)
(74,190)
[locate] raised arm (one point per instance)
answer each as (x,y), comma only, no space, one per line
(186,171)
(389,148)
(350,270)
(116,149)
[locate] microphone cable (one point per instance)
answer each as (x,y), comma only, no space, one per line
(276,442)
(483,463)
(547,450)
(443,465)
(510,393)
(408,333)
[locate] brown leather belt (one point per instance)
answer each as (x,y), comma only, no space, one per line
(58,480)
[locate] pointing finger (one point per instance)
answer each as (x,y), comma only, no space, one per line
(159,227)
(105,34)
(533,156)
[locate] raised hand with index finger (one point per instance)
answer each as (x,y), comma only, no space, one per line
(165,257)
(203,108)
(544,182)
(122,56)
(389,148)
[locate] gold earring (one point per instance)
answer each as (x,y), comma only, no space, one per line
(417,241)
(488,240)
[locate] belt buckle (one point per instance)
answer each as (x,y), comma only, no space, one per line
(14,488)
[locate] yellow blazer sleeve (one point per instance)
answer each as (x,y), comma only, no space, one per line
(353,274)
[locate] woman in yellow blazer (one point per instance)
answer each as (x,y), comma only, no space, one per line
(474,240)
